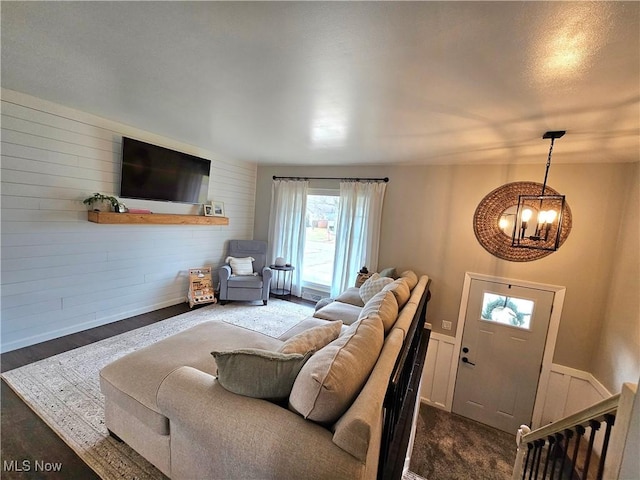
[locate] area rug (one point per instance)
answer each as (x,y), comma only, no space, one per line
(452,447)
(64,390)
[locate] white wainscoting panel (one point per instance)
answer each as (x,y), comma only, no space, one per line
(568,390)
(436,374)
(62,274)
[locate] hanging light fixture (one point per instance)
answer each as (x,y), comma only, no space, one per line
(538,220)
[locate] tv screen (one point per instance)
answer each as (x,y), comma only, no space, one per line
(151,172)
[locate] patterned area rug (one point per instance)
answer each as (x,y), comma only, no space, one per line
(64,390)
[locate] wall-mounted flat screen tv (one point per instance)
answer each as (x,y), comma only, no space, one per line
(150,172)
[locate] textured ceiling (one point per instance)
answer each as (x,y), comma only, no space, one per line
(335,83)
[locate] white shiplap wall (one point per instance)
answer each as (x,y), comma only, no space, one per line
(62,274)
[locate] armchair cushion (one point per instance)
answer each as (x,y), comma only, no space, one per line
(259,373)
(245,281)
(241,266)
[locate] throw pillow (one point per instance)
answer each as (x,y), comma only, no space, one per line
(333,377)
(259,373)
(373,285)
(400,289)
(241,266)
(389,272)
(313,339)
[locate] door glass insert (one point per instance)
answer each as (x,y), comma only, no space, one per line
(512,311)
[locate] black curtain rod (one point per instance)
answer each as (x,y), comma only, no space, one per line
(385,179)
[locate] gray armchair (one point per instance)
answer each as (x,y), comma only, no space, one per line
(246,287)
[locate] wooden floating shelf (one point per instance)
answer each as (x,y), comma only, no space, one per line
(154,219)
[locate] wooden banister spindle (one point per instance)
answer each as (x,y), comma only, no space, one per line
(568,435)
(550,451)
(526,461)
(610,419)
(579,431)
(595,426)
(557,451)
(538,457)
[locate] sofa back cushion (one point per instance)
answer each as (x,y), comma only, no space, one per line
(385,305)
(333,377)
(351,296)
(313,339)
(400,289)
(410,277)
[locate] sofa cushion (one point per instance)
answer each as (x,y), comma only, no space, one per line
(411,278)
(351,296)
(305,324)
(241,266)
(373,285)
(339,311)
(323,302)
(385,305)
(313,339)
(332,378)
(192,347)
(401,291)
(259,373)
(389,272)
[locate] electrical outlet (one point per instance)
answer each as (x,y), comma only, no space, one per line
(446,325)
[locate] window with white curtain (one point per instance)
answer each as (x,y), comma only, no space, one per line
(320,238)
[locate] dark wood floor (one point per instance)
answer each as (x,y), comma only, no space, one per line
(25,437)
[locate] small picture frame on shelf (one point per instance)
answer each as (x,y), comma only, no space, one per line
(218,208)
(208,210)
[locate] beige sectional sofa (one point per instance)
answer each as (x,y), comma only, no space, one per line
(167,401)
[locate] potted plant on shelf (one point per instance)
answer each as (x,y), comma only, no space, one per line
(102,203)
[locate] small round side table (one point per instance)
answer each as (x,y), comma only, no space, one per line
(281,290)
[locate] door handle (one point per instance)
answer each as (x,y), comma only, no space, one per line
(466,360)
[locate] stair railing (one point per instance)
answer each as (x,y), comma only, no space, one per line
(555,451)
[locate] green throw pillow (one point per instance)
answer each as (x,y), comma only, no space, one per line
(259,373)
(389,272)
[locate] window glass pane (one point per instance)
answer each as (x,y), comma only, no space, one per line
(320,243)
(507,310)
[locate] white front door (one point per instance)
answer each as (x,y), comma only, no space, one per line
(500,360)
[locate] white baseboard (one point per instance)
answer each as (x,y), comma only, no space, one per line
(567,391)
(61,332)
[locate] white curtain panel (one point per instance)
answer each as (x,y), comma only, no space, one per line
(357,231)
(287,226)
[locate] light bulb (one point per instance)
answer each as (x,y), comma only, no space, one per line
(503,223)
(551,216)
(542,217)
(526,215)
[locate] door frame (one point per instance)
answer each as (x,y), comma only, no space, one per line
(550,342)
